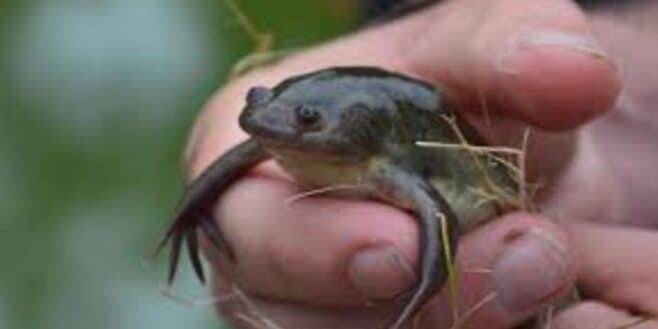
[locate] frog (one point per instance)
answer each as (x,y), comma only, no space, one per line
(357,126)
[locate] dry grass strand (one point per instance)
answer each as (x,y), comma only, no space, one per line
(496,192)
(194,302)
(323,190)
(461,320)
(256,317)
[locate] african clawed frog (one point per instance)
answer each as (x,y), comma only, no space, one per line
(356,126)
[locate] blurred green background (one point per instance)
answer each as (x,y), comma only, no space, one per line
(96,98)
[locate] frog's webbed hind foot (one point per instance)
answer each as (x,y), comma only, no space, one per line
(193,214)
(211,230)
(193,252)
(436,256)
(421,293)
(177,233)
(174,234)
(436,222)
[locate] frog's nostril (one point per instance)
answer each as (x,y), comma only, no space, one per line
(269,125)
(258,96)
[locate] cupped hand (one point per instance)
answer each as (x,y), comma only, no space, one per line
(329,263)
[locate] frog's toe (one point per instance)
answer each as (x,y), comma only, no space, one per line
(210,228)
(176,240)
(187,230)
(179,232)
(417,299)
(193,250)
(176,234)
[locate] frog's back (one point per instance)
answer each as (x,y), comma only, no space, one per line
(348,81)
(420,114)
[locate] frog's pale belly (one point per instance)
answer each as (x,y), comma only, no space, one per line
(463,195)
(314,172)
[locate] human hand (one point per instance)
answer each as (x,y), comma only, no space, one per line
(317,264)
(617,276)
(618,269)
(625,139)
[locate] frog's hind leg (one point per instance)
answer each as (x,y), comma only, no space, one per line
(209,227)
(176,234)
(174,255)
(199,199)
(193,251)
(435,257)
(436,221)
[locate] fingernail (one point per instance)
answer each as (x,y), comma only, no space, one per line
(532,269)
(380,272)
(583,43)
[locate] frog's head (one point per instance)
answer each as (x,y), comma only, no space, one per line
(319,117)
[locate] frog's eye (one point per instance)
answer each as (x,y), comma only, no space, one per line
(258,96)
(306,115)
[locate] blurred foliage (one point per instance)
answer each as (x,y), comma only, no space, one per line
(95,101)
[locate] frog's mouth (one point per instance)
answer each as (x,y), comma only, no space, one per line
(302,148)
(281,136)
(268,128)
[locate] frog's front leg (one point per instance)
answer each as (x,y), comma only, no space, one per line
(194,209)
(412,191)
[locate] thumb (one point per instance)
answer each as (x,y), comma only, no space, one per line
(508,270)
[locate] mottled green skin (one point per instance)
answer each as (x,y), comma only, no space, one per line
(356,126)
